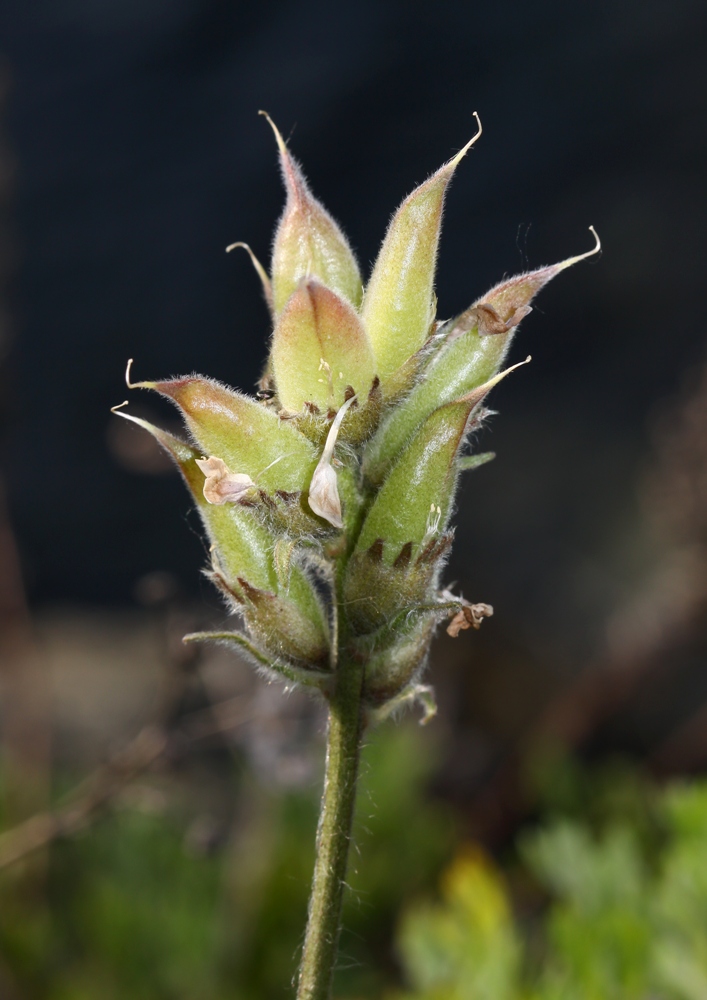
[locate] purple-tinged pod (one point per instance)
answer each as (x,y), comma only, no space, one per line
(320,350)
(505,305)
(248,437)
(398,304)
(473,349)
(308,242)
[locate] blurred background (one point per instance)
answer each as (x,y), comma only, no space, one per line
(160,804)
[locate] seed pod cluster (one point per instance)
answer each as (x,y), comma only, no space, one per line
(327,500)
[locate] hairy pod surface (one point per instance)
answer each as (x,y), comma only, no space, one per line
(327,500)
(308,242)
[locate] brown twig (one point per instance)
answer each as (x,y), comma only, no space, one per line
(105,784)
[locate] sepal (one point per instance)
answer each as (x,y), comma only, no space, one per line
(416,694)
(294,674)
(390,672)
(395,656)
(290,624)
(286,515)
(384,600)
(362,421)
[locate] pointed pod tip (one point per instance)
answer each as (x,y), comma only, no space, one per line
(180,450)
(583,256)
(136,385)
(507,371)
(474,397)
(456,160)
(259,270)
(120,412)
(278,135)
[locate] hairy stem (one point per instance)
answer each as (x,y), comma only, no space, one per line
(333,835)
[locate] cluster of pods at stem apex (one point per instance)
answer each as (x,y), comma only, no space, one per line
(327,497)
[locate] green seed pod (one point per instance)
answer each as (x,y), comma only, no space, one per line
(384,601)
(327,502)
(308,242)
(467,362)
(286,620)
(321,353)
(398,304)
(473,348)
(293,626)
(247,436)
(392,670)
(241,544)
(413,503)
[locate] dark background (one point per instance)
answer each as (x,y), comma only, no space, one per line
(138,156)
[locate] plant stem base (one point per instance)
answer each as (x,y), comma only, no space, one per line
(333,835)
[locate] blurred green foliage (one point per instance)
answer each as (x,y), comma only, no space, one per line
(624,918)
(128,908)
(603,898)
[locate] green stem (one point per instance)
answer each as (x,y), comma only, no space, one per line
(333,835)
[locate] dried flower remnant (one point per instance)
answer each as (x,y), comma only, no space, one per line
(323,495)
(334,562)
(221,484)
(469,615)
